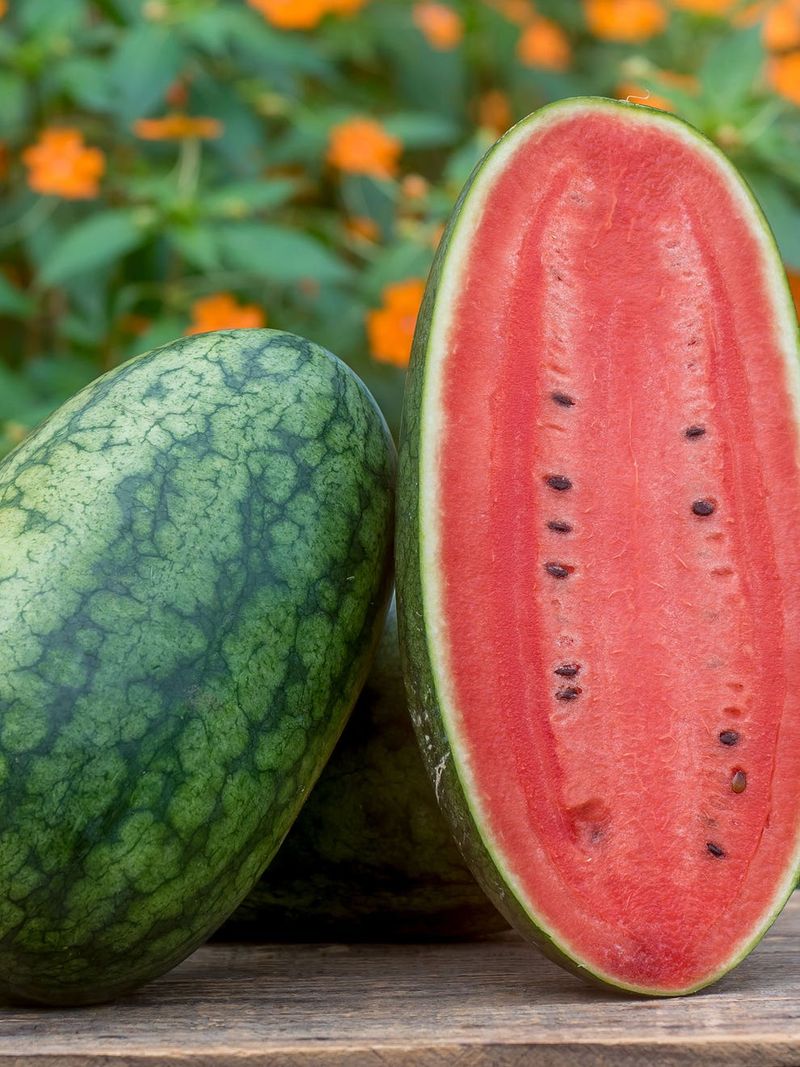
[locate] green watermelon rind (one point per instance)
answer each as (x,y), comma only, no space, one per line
(370,856)
(439,747)
(196,566)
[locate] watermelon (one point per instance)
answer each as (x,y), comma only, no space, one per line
(370,856)
(194,573)
(599,531)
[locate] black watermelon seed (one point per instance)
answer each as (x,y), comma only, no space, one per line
(558,570)
(567,670)
(563,399)
(703,507)
(739,782)
(558,482)
(558,526)
(729,737)
(715,849)
(569,692)
(694,431)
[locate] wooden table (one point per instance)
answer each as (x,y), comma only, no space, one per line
(492,1003)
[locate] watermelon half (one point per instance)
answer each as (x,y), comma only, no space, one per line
(599,542)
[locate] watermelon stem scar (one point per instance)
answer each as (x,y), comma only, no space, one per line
(600,482)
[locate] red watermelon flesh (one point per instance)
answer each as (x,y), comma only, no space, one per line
(607,492)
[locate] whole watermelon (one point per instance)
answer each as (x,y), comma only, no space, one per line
(370,856)
(194,558)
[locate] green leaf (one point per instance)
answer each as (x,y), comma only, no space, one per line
(238,199)
(423,77)
(45,17)
(242,140)
(420,130)
(407,259)
(270,50)
(732,66)
(85,81)
(12,301)
(163,330)
(93,243)
(777,146)
(30,415)
(57,379)
(197,245)
(210,30)
(783,214)
(147,62)
(466,158)
(16,397)
(221,29)
(279,254)
(305,140)
(373,198)
(16,106)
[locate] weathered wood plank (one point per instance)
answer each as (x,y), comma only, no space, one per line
(492,1003)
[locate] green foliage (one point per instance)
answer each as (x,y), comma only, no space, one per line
(252,206)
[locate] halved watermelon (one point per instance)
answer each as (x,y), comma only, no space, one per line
(599,542)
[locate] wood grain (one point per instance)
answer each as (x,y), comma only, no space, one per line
(492,1003)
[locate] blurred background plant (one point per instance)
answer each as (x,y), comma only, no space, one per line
(174,166)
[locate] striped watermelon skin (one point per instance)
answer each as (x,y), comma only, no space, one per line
(195,567)
(370,856)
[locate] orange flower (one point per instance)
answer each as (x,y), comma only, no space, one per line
(222,312)
(363,146)
(3,7)
(345,7)
(362,228)
(494,111)
(390,329)
(544,44)
(782,26)
(415,187)
(784,76)
(60,164)
(439,24)
(707,7)
(625,20)
(177,127)
(291,14)
(751,14)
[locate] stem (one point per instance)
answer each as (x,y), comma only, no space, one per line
(189,167)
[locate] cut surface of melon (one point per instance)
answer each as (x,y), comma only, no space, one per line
(610,541)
